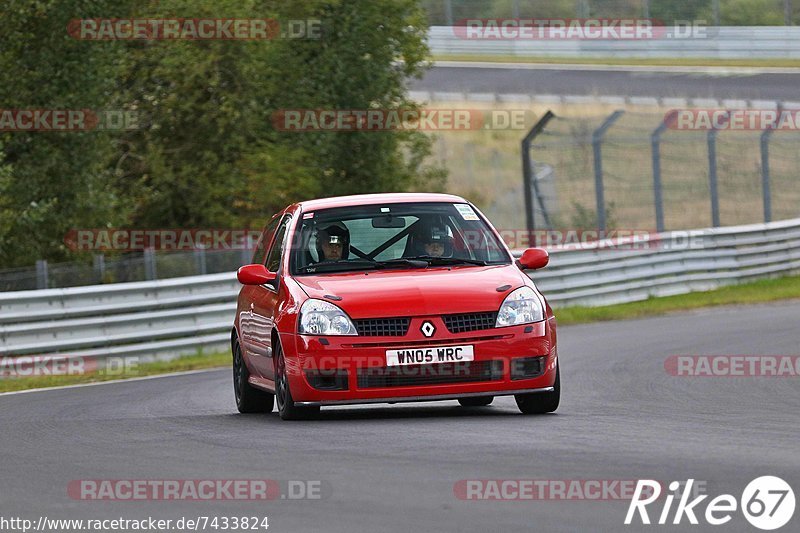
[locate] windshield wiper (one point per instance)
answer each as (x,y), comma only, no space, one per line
(341,265)
(402,261)
(431,260)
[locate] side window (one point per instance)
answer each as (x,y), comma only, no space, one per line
(266,236)
(276,252)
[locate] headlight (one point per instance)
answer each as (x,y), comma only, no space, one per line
(318,317)
(522,306)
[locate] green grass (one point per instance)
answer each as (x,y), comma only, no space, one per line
(655,62)
(768,290)
(191,362)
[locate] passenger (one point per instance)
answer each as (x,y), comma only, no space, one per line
(436,241)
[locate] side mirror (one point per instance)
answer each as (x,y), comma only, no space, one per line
(534,258)
(255,275)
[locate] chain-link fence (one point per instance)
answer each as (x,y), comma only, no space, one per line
(629,170)
(131,266)
(651,177)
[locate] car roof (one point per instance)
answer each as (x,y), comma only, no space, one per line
(383,198)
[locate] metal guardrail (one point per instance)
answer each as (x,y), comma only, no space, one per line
(724,42)
(161,319)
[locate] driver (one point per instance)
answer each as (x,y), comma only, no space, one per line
(437,241)
(333,242)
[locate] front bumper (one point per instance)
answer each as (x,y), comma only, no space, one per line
(354,357)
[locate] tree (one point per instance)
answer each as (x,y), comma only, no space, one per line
(210,156)
(206,153)
(53,181)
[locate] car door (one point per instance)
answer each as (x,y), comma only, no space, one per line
(250,293)
(265,303)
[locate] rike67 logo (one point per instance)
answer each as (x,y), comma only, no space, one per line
(767,503)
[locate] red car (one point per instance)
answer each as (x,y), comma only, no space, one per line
(386,298)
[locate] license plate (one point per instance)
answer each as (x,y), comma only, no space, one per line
(426,356)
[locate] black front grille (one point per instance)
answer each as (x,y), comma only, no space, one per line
(444,373)
(470,321)
(382,327)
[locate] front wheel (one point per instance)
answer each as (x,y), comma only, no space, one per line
(286,407)
(248,398)
(539,403)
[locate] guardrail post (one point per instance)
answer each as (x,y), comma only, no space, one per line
(150,264)
(655,143)
(597,139)
(712,174)
(99,267)
(529,184)
(42,278)
(200,261)
(765,177)
(448,12)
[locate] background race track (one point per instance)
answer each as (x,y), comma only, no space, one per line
(393,468)
(761,84)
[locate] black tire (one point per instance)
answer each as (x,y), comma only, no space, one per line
(248,398)
(476,401)
(539,403)
(283,395)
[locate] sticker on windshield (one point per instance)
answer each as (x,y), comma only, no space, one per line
(466,212)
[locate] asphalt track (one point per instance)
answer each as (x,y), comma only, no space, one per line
(393,468)
(613,81)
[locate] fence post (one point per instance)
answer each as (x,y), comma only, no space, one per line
(712,174)
(655,143)
(646,9)
(582,9)
(42,278)
(200,261)
(515,9)
(150,264)
(765,176)
(597,139)
(99,266)
(448,12)
(529,184)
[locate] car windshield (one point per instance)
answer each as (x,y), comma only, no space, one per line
(405,236)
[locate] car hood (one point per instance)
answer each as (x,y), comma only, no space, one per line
(432,291)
